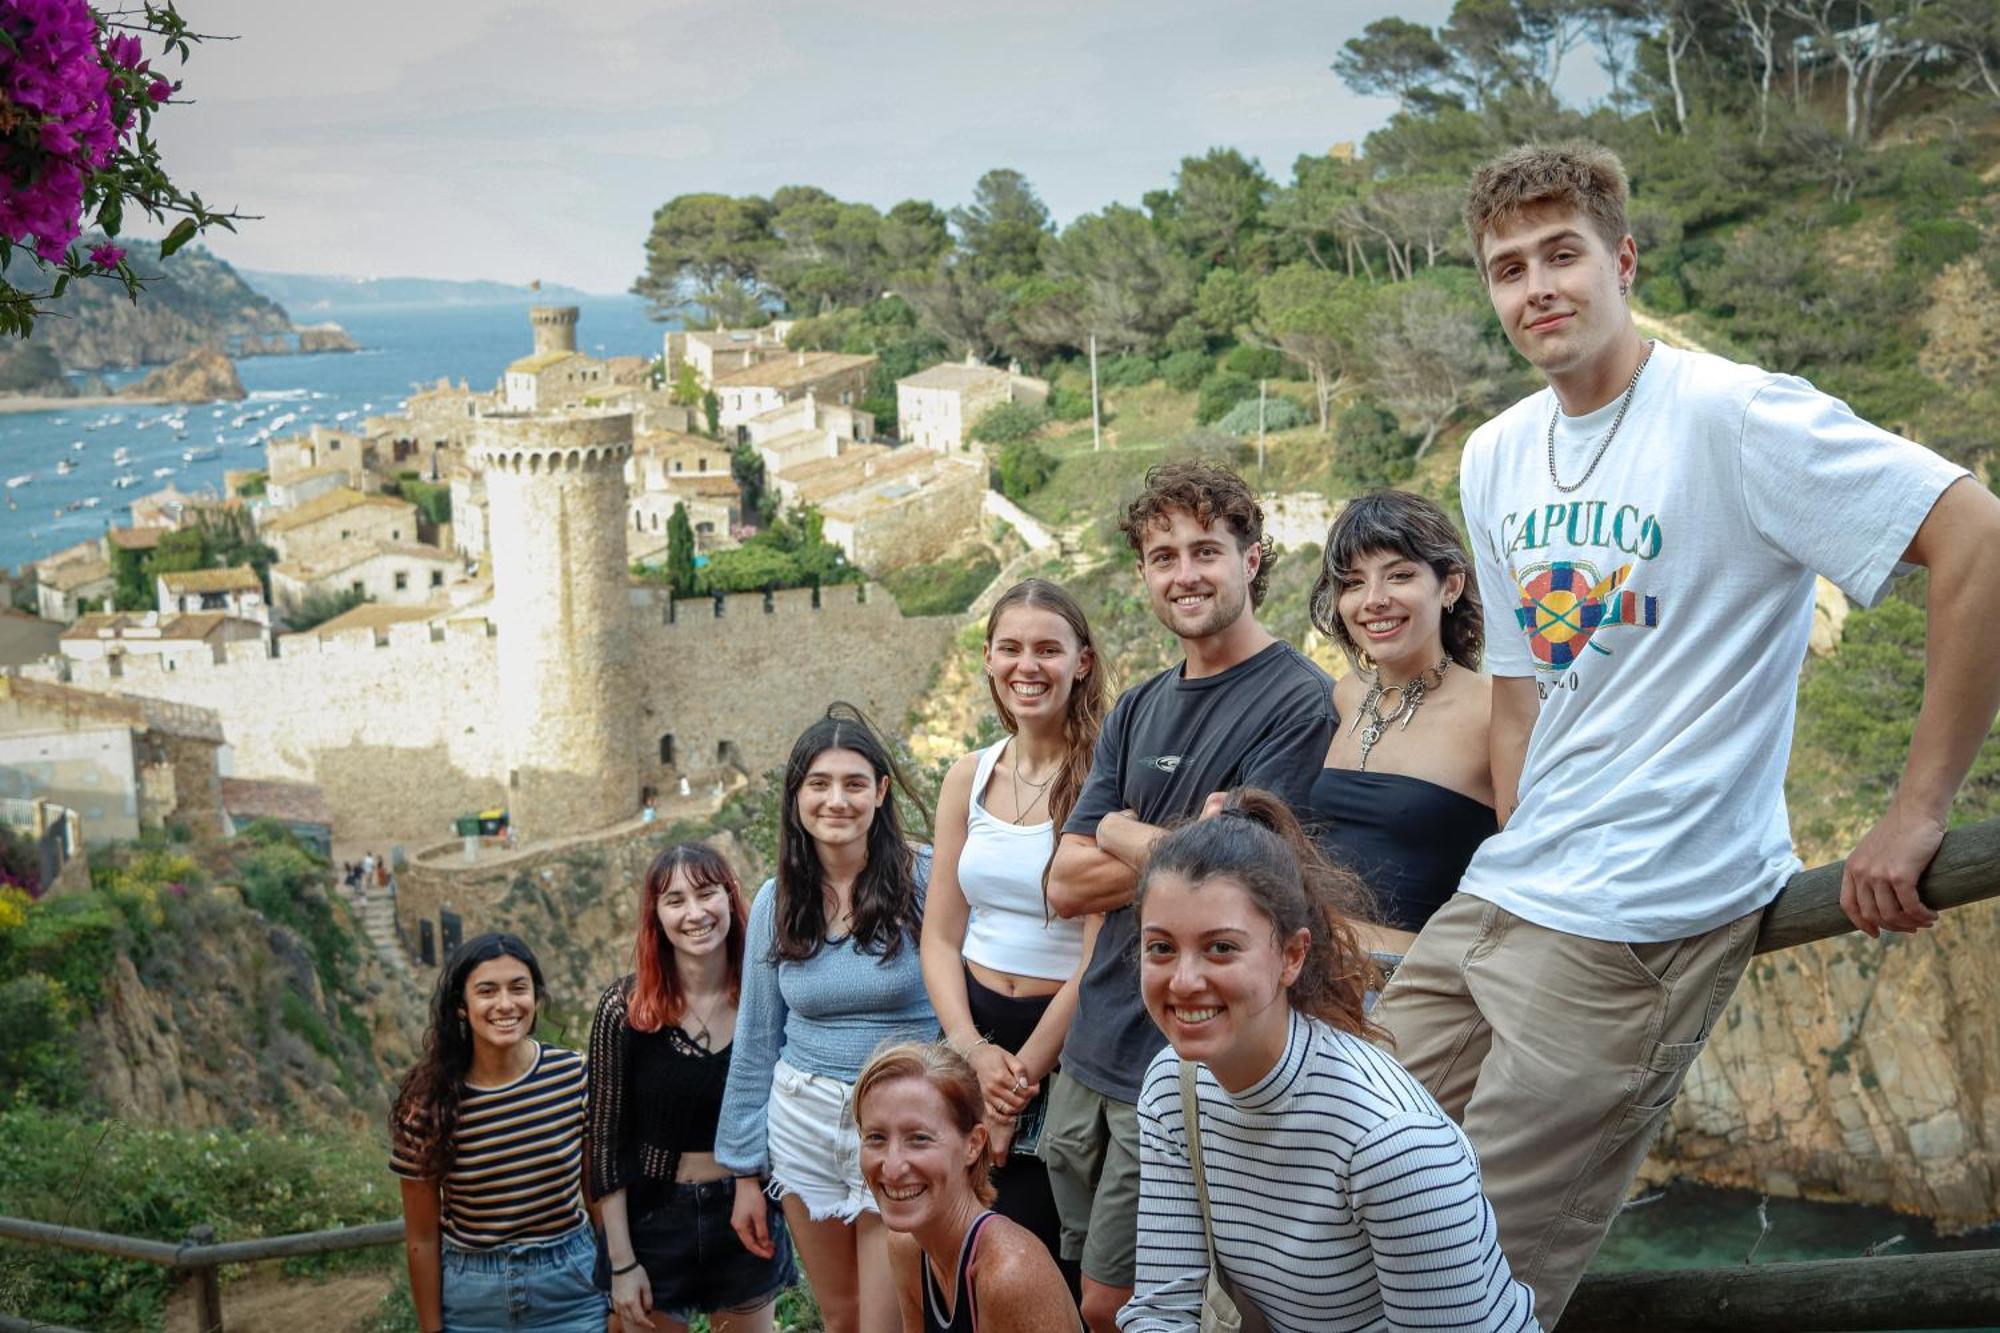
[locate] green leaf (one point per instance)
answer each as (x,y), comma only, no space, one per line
(182,233)
(62,282)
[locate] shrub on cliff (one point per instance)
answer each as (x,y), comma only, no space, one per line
(1004,423)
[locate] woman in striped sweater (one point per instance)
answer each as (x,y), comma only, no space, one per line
(487,1135)
(1341,1197)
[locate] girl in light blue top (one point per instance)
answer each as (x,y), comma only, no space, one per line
(831,971)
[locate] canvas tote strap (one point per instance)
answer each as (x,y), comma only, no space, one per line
(1191,1125)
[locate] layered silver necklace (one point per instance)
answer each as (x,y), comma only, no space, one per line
(1604,442)
(1372,723)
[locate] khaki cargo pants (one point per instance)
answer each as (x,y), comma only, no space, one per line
(1559,1055)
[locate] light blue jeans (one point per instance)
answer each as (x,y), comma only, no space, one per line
(543,1286)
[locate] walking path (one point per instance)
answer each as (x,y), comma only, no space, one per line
(1038,538)
(377,914)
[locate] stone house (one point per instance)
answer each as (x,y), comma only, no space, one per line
(557,378)
(715,352)
(289,490)
(468,514)
(715,510)
(394,574)
(336,519)
(235,592)
(907,515)
(104,634)
(834,377)
(171,508)
(124,764)
(71,577)
(660,455)
(937,408)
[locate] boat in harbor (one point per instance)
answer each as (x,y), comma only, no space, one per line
(122,456)
(200,453)
(91,502)
(163,472)
(64,467)
(124,479)
(22,480)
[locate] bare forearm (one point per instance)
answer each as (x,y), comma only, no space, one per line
(944,978)
(1961,691)
(1515,705)
(1086,880)
(1128,838)
(617,1232)
(426,1283)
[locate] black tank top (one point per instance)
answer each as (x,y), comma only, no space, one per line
(1409,840)
(964,1319)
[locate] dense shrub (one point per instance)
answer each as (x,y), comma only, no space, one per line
(1127,372)
(1184,371)
(1280,413)
(39,1059)
(1069,404)
(1221,391)
(1928,245)
(1372,451)
(1004,423)
(943,587)
(1257,363)
(1022,468)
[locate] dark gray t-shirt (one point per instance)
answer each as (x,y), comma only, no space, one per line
(1168,743)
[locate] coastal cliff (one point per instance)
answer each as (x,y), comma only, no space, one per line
(202,376)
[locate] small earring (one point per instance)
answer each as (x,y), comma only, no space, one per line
(1449,607)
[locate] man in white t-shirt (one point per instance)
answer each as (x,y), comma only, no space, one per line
(1646,533)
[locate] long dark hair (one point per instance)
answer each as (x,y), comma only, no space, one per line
(1415,529)
(1089,696)
(425,1112)
(658,998)
(884,911)
(1257,842)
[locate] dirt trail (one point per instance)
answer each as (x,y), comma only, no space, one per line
(1655,327)
(266,1301)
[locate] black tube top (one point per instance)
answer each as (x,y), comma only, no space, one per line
(1409,840)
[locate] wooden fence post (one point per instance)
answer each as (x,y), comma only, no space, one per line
(207,1284)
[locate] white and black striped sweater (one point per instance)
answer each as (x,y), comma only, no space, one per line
(1344,1199)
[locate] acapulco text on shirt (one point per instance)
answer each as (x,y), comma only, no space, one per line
(1564,604)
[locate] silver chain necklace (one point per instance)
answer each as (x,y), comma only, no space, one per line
(1409,698)
(1605,442)
(1039,788)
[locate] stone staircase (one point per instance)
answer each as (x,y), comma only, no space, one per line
(378,922)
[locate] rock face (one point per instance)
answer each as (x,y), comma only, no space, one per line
(1858,1071)
(202,376)
(31,368)
(238,1027)
(325,338)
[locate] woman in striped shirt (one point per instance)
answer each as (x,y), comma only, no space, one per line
(1342,1197)
(487,1135)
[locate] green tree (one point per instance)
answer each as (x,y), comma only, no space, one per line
(746,466)
(914,236)
(1021,468)
(687,389)
(1218,208)
(1001,231)
(1431,356)
(1393,57)
(704,257)
(1314,318)
(711,411)
(1134,283)
(680,552)
(1007,423)
(315,609)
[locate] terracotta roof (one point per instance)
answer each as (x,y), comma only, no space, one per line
(539,362)
(74,574)
(373,615)
(347,555)
(326,506)
(287,802)
(240,578)
(191,627)
(306,473)
(71,700)
(793,372)
(952,375)
(832,477)
(136,539)
(25,638)
(713,488)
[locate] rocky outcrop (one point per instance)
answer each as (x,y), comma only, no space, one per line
(325,338)
(233,1024)
(31,368)
(1860,1071)
(202,376)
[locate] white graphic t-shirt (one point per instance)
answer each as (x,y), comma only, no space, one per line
(1663,610)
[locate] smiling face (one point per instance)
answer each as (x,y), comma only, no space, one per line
(1035,661)
(1197,577)
(1393,608)
(839,797)
(1558,288)
(914,1157)
(1214,975)
(693,917)
(499,1002)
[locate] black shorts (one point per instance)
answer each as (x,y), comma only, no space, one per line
(681,1233)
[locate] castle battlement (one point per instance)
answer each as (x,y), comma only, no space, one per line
(539,444)
(845,602)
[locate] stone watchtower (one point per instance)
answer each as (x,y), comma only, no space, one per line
(555,327)
(555,487)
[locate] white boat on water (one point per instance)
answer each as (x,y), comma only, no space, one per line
(22,480)
(78,445)
(199,453)
(163,472)
(64,467)
(91,502)
(124,479)
(121,456)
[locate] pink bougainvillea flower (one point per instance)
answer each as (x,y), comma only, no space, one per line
(125,50)
(159,90)
(106,256)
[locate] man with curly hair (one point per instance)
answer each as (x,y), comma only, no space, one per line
(1243,708)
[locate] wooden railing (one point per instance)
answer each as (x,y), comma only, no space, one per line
(1951,1290)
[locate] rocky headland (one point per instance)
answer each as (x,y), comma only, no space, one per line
(202,376)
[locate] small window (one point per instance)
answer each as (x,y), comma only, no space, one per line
(700,464)
(437,578)
(667,749)
(402,581)
(357,588)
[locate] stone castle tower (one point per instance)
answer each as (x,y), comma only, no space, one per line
(555,489)
(555,327)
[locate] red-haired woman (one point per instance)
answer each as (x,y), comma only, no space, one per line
(659,1058)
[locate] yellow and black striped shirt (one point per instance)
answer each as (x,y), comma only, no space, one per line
(517,1172)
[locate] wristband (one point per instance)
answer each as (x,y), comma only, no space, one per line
(967,1052)
(621,1272)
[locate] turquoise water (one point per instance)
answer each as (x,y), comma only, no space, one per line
(401,349)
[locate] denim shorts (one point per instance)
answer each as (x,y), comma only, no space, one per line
(540,1285)
(814,1145)
(691,1254)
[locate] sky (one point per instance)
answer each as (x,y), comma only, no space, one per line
(532,139)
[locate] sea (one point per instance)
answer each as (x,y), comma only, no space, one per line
(44,508)
(1682,1226)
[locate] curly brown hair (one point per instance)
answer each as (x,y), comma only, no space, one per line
(1574,174)
(1212,494)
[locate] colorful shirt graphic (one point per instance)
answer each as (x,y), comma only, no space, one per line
(1564,604)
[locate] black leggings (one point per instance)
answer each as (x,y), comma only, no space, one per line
(1008,1021)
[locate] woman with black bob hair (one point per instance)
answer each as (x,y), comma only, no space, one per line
(831,972)
(487,1134)
(1406,793)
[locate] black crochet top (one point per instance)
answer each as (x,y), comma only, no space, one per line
(653,1096)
